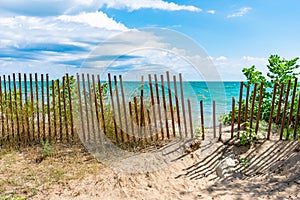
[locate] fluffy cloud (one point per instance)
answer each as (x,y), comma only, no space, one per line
(68,7)
(239,13)
(211,12)
(97,19)
(153,4)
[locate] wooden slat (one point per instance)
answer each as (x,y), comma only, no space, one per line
(124,107)
(142,117)
(113,108)
(54,109)
(65,108)
(232,117)
(86,109)
(240,106)
(80,108)
(272,110)
(182,104)
(16,109)
(259,106)
(11,108)
(253,105)
(158,106)
(70,106)
(214,119)
(292,108)
(284,109)
(59,100)
(165,105)
(153,106)
(32,106)
(43,108)
(170,102)
(202,119)
(96,109)
(48,108)
(119,109)
(2,120)
(26,108)
(190,118)
(37,106)
(90,95)
(279,103)
(136,117)
(22,113)
(297,118)
(177,106)
(101,104)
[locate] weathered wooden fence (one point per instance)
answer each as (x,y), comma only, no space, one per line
(283,114)
(35,109)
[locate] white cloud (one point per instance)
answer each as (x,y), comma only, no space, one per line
(221,58)
(72,7)
(153,4)
(97,19)
(231,68)
(239,13)
(211,12)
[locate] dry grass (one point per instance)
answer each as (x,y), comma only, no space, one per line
(27,172)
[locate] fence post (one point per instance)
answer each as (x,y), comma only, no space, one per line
(1,111)
(272,110)
(32,106)
(284,109)
(80,107)
(190,117)
(202,119)
(165,105)
(182,104)
(113,107)
(158,105)
(17,109)
(119,109)
(259,106)
(54,109)
(292,107)
(232,117)
(91,106)
(279,103)
(48,107)
(124,106)
(170,102)
(240,106)
(214,119)
(177,106)
(297,118)
(153,106)
(70,106)
(253,105)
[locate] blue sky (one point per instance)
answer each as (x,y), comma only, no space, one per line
(57,36)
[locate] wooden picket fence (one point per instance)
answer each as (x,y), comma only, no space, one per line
(35,109)
(282,123)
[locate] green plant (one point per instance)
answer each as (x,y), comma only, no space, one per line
(244,162)
(247,136)
(280,71)
(46,149)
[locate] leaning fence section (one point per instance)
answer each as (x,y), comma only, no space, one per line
(107,111)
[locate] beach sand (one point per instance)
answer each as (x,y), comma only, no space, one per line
(269,170)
